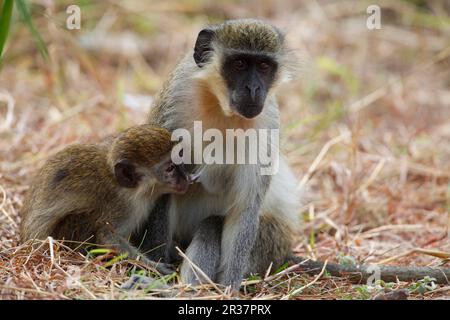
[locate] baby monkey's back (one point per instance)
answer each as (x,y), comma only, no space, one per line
(100,193)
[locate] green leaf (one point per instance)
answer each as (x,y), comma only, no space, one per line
(22,8)
(423,285)
(5,19)
(281,268)
(254,277)
(116,259)
(99,251)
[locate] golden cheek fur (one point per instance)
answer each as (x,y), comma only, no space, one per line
(211,76)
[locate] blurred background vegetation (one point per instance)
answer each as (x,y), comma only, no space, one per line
(366,124)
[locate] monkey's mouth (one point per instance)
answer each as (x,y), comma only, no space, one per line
(178,180)
(250,111)
(179,187)
(246,109)
(175,179)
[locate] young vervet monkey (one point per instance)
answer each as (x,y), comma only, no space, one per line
(101,193)
(229,82)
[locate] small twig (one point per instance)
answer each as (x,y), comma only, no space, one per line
(52,259)
(12,288)
(52,254)
(196,268)
(382,91)
(373,175)
(78,281)
(298,290)
(285,271)
(443,289)
(401,227)
(416,167)
(3,191)
(434,253)
(72,112)
(268,270)
(320,156)
(9,117)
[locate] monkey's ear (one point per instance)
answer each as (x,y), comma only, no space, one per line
(203,46)
(125,173)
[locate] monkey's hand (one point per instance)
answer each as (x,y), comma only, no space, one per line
(123,245)
(163,268)
(138,281)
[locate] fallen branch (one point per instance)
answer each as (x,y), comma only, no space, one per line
(361,273)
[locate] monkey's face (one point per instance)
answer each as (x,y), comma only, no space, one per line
(244,54)
(171,177)
(165,176)
(248,79)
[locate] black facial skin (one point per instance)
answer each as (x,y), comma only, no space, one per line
(248,78)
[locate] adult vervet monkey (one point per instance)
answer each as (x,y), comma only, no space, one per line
(235,221)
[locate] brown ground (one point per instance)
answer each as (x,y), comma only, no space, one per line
(376,103)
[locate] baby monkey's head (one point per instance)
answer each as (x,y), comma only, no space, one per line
(140,157)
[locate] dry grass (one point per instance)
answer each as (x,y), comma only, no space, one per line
(376,103)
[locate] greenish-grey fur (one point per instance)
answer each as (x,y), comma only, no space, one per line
(145,147)
(76,197)
(233,191)
(77,179)
(249,35)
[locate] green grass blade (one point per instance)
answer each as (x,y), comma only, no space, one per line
(22,8)
(5,19)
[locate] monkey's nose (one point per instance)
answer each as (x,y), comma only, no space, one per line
(253,90)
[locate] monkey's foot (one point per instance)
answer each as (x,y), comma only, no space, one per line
(163,268)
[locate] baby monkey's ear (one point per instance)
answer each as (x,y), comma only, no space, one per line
(125,173)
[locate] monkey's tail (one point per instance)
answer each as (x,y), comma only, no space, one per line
(360,273)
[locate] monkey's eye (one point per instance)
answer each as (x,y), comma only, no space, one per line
(263,67)
(170,168)
(239,64)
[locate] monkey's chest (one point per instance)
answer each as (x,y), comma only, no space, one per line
(189,210)
(219,187)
